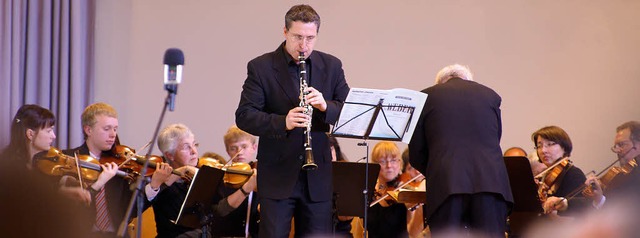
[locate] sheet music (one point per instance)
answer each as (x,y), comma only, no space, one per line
(401,107)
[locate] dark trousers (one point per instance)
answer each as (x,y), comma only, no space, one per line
(481,213)
(311,218)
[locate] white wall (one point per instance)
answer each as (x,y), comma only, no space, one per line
(574,64)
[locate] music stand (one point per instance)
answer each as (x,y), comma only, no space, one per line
(196,209)
(526,204)
(347,187)
(362,118)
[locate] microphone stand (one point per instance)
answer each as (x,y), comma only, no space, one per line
(138,190)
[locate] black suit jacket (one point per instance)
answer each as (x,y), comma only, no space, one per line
(456,143)
(268,94)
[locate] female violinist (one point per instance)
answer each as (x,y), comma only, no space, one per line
(32,133)
(32,198)
(389,218)
(177,144)
(552,145)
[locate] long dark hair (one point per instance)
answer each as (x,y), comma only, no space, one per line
(29,116)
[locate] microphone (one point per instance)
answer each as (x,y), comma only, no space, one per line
(173,61)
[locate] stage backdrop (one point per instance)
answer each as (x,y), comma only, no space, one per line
(574,64)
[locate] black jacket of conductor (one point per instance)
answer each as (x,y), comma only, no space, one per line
(456,144)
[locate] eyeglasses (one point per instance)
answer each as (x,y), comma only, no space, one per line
(189,147)
(618,147)
(300,38)
(391,161)
(540,146)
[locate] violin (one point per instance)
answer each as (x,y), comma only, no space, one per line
(390,193)
(128,160)
(545,187)
(404,177)
(56,163)
(236,174)
(613,174)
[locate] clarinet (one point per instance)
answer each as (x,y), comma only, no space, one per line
(309,163)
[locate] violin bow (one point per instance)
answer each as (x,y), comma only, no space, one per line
(397,189)
(75,155)
(579,189)
(541,174)
(232,158)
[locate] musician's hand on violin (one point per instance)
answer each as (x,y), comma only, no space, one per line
(554,204)
(108,171)
(296,118)
(593,189)
(251,184)
(160,175)
(76,193)
(316,99)
(187,174)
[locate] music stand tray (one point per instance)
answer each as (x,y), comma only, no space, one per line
(200,197)
(348,185)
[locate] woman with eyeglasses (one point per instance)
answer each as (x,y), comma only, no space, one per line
(553,147)
(389,218)
(178,146)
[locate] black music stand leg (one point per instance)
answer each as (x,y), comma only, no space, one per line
(365,192)
(141,182)
(205,219)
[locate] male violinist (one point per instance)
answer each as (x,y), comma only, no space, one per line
(110,195)
(626,145)
(241,148)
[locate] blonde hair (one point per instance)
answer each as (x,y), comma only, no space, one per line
(454,71)
(384,149)
(235,134)
(90,113)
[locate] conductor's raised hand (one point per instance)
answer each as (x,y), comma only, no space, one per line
(296,118)
(315,98)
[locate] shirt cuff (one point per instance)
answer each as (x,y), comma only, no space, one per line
(150,192)
(601,203)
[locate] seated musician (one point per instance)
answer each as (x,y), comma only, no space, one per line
(420,184)
(552,145)
(241,147)
(177,144)
(389,218)
(619,183)
(515,151)
(110,194)
(32,205)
